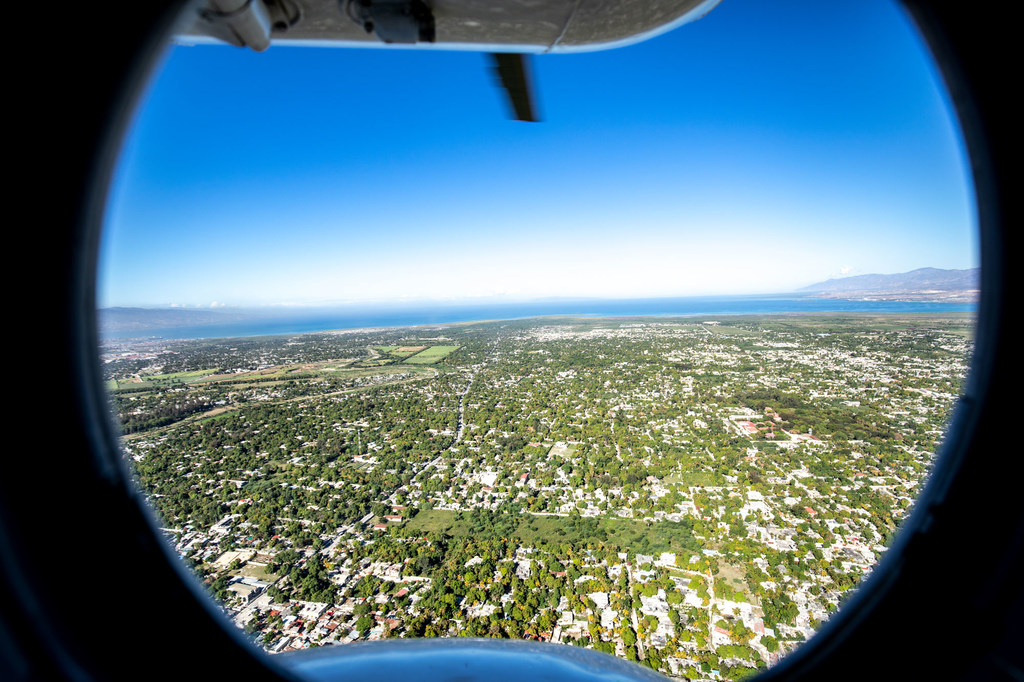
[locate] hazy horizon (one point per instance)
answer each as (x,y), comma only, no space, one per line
(459,302)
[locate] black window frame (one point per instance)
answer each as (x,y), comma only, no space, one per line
(78,549)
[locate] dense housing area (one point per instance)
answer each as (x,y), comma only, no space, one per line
(696,495)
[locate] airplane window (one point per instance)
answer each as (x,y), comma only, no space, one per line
(659,375)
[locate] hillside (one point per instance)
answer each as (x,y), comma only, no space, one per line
(924,284)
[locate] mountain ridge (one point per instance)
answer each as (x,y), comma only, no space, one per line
(923,284)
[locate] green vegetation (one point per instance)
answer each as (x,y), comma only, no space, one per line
(152,381)
(544,531)
(584,476)
(697,479)
(431,355)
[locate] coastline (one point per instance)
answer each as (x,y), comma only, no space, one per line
(344,321)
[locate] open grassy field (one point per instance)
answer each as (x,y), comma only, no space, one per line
(375,362)
(431,355)
(404,352)
(268,373)
(157,380)
(637,535)
(563,449)
(430,520)
(194,375)
(288,372)
(735,577)
(393,353)
(263,379)
(540,531)
(389,356)
(333,365)
(258,572)
(212,415)
(692,478)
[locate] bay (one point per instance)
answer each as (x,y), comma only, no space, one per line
(268,322)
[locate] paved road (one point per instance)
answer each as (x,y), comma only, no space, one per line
(462,409)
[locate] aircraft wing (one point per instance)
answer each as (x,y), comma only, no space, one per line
(482,25)
(507,28)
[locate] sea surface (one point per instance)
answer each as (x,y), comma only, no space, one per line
(296,321)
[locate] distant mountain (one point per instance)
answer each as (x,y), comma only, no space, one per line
(924,284)
(141,319)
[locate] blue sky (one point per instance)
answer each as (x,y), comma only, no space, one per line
(762,148)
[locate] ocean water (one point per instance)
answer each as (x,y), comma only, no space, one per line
(266,323)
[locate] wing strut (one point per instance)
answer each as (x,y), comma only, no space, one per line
(515,78)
